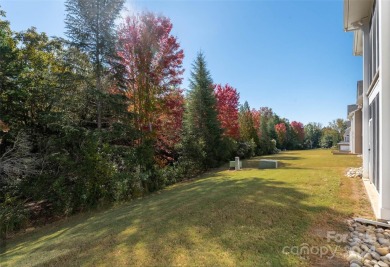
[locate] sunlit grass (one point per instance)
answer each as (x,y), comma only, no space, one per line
(225,218)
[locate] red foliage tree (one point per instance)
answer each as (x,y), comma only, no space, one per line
(266,112)
(256,120)
(227,105)
(168,127)
(151,61)
(299,130)
(281,131)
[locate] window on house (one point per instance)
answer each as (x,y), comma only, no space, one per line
(374,149)
(373,45)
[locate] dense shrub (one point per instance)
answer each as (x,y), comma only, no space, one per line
(246,149)
(13,216)
(227,149)
(326,141)
(173,174)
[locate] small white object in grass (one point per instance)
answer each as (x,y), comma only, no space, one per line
(237,163)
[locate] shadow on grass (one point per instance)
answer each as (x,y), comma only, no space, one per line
(277,157)
(223,220)
(291,166)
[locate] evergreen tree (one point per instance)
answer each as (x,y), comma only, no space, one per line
(202,130)
(90,26)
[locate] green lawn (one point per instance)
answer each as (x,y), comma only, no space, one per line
(224,218)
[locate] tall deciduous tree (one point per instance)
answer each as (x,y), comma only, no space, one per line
(90,27)
(281,131)
(151,61)
(298,134)
(39,79)
(247,126)
(339,125)
(256,120)
(168,127)
(202,130)
(29,100)
(329,137)
(266,112)
(9,72)
(312,135)
(266,118)
(227,104)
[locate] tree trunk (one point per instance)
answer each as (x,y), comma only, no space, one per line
(99,102)
(98,71)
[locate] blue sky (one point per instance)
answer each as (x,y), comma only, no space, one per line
(292,56)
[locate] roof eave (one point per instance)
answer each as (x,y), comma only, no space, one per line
(356,13)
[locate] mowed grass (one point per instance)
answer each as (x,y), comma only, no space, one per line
(224,218)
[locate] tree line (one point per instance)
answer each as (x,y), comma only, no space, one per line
(101,117)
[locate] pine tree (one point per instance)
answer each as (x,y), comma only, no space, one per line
(90,26)
(202,130)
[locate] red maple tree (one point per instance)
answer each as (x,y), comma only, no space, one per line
(256,120)
(299,130)
(168,126)
(227,105)
(281,132)
(151,61)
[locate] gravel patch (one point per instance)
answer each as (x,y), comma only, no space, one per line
(368,245)
(355,172)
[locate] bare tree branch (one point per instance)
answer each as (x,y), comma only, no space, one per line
(18,162)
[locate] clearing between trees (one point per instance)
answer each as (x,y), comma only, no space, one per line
(223,218)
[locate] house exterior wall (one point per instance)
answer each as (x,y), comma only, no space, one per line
(376,112)
(384,109)
(352,134)
(358,136)
(356,131)
(365,108)
(371,91)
